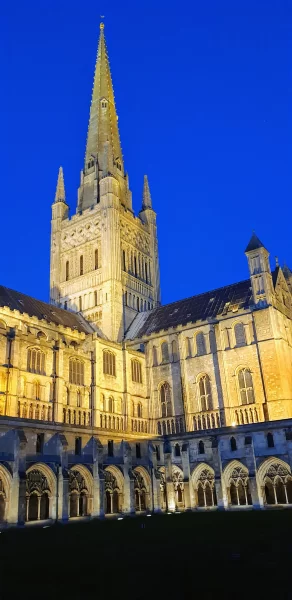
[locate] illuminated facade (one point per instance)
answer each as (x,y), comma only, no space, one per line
(112,403)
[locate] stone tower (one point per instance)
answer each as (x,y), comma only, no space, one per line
(104,260)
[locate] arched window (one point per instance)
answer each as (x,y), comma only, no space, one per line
(201,447)
(36,391)
(95,298)
(138,304)
(245,386)
(155,361)
(233,444)
(189,349)
(174,350)
(164,352)
(81,265)
(278,484)
(206,489)
(177,450)
(239,487)
(76,371)
(109,363)
(96,265)
(201,344)
(37,496)
(239,333)
(205,393)
(36,361)
(67,270)
(112,493)
(78,495)
(78,398)
(165,400)
(136,371)
(111,404)
(139,410)
(124,259)
(270,440)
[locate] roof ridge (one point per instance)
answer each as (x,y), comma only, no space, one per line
(202,294)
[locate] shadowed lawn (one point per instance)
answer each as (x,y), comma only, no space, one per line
(217,554)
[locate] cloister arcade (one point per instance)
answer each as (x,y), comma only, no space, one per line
(136,493)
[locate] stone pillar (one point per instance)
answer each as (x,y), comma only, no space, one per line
(168,478)
(129,496)
(19,476)
(219,493)
(64,499)
(254,493)
(222,500)
(186,472)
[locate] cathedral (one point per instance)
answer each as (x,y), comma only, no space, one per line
(114,404)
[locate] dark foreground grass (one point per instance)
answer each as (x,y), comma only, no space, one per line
(199,555)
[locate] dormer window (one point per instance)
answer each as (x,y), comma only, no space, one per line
(118,164)
(90,164)
(103,103)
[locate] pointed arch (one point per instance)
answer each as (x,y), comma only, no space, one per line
(115,471)
(198,470)
(230,467)
(144,473)
(267,464)
(87,476)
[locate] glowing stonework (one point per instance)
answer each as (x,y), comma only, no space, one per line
(104,370)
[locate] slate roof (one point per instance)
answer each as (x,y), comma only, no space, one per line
(254,243)
(42,310)
(197,308)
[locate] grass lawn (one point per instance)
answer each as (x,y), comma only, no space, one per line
(189,555)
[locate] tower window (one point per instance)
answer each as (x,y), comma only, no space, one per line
(36,361)
(67,270)
(95,298)
(109,363)
(76,371)
(205,393)
(96,265)
(136,371)
(135,266)
(245,386)
(81,265)
(138,304)
(201,345)
(239,333)
(146,272)
(124,260)
(165,400)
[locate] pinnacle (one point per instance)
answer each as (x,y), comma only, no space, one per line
(146,202)
(60,191)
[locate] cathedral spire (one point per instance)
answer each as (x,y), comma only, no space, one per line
(146,202)
(103,146)
(60,191)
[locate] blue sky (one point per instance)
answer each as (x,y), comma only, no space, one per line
(203,94)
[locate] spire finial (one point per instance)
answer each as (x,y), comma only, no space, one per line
(60,191)
(146,202)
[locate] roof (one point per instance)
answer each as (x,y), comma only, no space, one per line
(42,310)
(197,308)
(254,243)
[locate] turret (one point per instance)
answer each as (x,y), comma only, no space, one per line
(59,212)
(148,216)
(260,271)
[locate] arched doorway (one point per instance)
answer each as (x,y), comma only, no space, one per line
(238,483)
(33,507)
